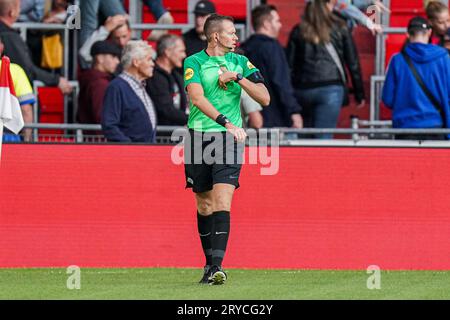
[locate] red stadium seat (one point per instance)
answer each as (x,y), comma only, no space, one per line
(402,12)
(397,5)
(238,10)
(179,11)
(51,102)
(394,44)
(401,18)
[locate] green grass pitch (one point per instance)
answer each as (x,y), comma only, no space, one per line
(170,283)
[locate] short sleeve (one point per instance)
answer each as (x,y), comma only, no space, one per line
(247,66)
(191,71)
(22,86)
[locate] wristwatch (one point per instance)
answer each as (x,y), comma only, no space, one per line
(222,120)
(239,77)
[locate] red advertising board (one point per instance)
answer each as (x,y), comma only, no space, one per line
(126,206)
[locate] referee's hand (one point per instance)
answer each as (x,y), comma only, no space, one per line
(239,134)
(226,76)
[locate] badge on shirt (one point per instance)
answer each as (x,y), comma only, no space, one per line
(250,66)
(189,74)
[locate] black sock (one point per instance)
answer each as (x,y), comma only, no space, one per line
(221,230)
(205,226)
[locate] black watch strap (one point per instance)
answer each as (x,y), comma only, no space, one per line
(222,120)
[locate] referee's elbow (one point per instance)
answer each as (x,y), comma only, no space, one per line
(265,101)
(196,100)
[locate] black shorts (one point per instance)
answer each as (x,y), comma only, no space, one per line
(210,158)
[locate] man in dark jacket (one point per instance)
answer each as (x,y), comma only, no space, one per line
(264,50)
(195,39)
(411,108)
(16,49)
(166,87)
(94,81)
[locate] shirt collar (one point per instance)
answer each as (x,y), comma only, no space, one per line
(131,77)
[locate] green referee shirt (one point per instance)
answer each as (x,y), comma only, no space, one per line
(205,70)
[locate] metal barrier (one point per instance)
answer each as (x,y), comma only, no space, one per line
(356,123)
(380,61)
(380,53)
(250,5)
(375,91)
(24,27)
(76,133)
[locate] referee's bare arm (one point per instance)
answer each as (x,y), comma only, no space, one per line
(257,91)
(197,96)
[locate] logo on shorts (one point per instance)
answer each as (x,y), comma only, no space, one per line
(188,74)
(189,180)
(250,65)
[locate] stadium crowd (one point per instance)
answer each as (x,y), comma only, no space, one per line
(130,87)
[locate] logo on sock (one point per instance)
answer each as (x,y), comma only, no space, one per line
(205,235)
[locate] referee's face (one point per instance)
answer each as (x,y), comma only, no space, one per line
(227,37)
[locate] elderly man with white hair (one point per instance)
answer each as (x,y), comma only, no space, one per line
(128,113)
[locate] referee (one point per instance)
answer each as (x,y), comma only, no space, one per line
(214,78)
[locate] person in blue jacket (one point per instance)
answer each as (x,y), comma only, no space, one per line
(411,108)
